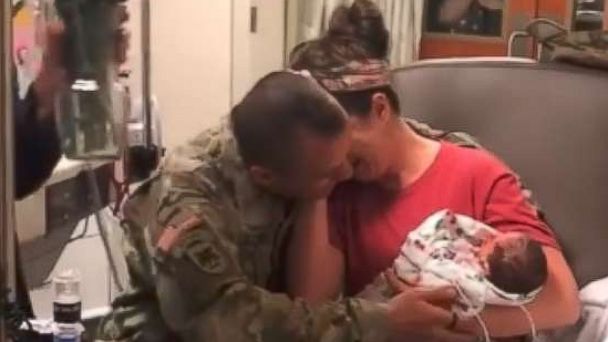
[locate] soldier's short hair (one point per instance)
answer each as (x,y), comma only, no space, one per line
(266,122)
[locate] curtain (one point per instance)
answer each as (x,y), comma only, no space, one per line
(308,19)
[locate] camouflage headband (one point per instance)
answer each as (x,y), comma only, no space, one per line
(356,75)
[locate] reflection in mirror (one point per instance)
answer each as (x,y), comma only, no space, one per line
(588,15)
(470,17)
(64,216)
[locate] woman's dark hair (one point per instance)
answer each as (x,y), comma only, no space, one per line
(355,33)
(363,23)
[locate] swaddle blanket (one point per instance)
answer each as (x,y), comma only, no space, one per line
(444,251)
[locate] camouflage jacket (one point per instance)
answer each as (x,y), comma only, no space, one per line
(583,48)
(204,249)
(587,48)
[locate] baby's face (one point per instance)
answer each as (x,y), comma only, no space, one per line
(506,243)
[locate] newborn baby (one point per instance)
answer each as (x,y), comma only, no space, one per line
(484,265)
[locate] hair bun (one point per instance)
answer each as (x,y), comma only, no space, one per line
(363,22)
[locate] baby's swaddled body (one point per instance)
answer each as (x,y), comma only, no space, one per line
(458,251)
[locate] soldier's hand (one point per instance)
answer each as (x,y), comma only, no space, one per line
(417,312)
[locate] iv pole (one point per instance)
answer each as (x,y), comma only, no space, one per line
(7,218)
(146,72)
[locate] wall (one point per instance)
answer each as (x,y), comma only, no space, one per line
(267,44)
(204,57)
(191,63)
(558,10)
(257,53)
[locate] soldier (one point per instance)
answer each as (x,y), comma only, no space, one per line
(206,237)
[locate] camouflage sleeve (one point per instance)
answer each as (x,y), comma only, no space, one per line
(458,138)
(205,296)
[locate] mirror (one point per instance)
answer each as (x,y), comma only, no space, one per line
(61,214)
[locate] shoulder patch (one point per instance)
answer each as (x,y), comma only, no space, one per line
(206,256)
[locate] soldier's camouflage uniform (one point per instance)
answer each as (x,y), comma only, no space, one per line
(213,282)
(204,248)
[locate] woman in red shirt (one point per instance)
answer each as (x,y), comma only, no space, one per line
(403,174)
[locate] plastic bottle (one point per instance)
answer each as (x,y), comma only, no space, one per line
(67,308)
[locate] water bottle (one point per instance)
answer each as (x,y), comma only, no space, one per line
(67,332)
(67,308)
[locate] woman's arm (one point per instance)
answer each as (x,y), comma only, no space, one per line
(556,306)
(315,268)
(508,208)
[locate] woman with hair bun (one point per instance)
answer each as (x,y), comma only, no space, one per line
(403,172)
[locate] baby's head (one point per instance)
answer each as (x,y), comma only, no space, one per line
(514,263)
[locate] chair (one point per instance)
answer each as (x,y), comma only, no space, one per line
(549,122)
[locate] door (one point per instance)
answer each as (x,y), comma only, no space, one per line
(258,42)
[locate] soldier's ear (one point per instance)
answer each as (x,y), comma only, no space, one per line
(261,175)
(381,109)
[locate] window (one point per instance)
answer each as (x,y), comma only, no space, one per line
(470,17)
(588,15)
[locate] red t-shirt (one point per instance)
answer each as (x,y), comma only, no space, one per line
(369,224)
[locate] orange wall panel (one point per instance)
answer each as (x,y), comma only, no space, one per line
(559,10)
(522,6)
(435,47)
